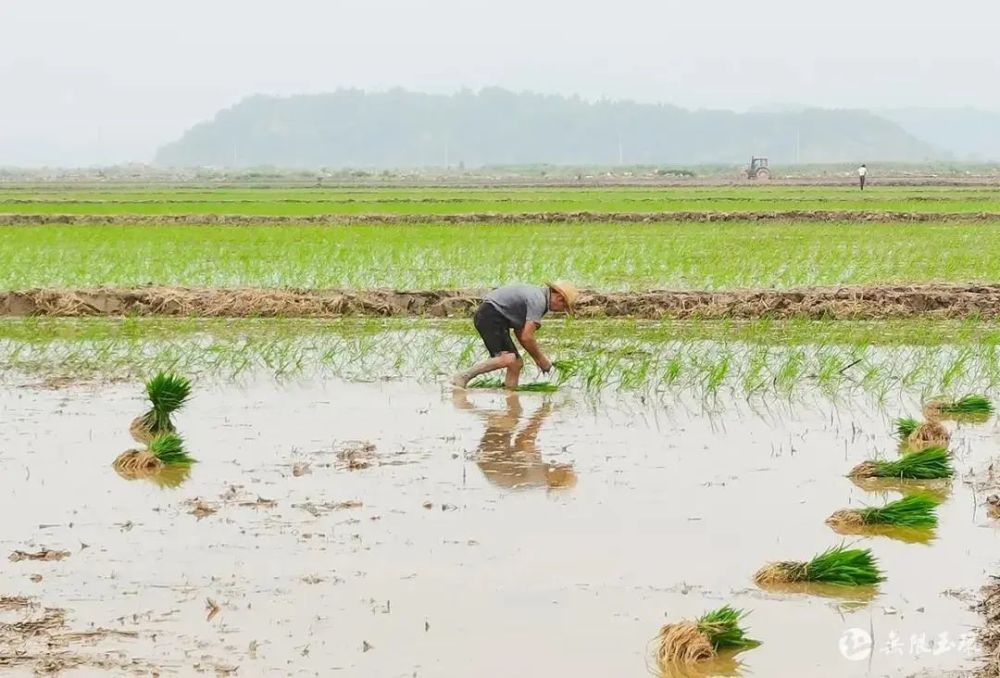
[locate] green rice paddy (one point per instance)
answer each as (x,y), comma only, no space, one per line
(922,357)
(433,256)
(656,359)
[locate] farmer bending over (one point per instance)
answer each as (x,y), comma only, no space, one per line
(519,308)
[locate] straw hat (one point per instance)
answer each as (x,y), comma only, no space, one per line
(567,290)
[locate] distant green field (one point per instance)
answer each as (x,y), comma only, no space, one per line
(607,256)
(431,201)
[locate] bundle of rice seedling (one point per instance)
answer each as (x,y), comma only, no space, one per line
(531,387)
(928,464)
(905,426)
(688,641)
(167,393)
(969,405)
(838,565)
(166,450)
(930,433)
(916,510)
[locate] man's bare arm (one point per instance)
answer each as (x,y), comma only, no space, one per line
(527,338)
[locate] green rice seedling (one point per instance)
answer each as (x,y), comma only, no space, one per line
(167,393)
(906,426)
(929,464)
(916,510)
(970,404)
(530,387)
(687,641)
(565,369)
(838,565)
(169,449)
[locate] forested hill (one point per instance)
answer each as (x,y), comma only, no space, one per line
(351,128)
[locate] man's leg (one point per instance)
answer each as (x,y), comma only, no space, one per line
(502,361)
(513,373)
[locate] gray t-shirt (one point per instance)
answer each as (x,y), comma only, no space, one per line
(520,303)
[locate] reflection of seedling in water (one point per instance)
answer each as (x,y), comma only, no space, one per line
(167,393)
(938,489)
(688,642)
(913,511)
(929,464)
(838,565)
(165,452)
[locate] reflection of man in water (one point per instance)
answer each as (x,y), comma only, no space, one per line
(514,461)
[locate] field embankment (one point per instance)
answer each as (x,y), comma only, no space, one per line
(489,218)
(860,302)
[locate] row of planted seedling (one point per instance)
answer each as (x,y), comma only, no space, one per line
(163,460)
(924,457)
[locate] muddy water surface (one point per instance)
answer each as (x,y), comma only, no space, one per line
(496,536)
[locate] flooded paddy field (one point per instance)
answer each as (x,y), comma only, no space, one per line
(352,516)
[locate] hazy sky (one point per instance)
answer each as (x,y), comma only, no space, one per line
(101,81)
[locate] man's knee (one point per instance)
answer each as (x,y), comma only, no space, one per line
(509,360)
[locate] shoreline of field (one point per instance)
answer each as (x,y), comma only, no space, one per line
(863,302)
(494,218)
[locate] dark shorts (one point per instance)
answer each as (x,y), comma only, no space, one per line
(495,329)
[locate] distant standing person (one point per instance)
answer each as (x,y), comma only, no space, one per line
(862,173)
(517,308)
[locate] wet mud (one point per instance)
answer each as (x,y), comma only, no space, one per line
(392,529)
(855,302)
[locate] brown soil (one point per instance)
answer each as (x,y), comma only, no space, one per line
(41,642)
(989,633)
(860,302)
(818,216)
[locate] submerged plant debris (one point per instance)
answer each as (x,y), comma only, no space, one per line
(43,554)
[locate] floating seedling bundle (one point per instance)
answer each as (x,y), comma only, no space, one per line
(165,451)
(931,433)
(972,406)
(839,565)
(167,393)
(928,464)
(914,511)
(688,642)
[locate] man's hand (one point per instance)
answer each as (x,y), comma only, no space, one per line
(527,338)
